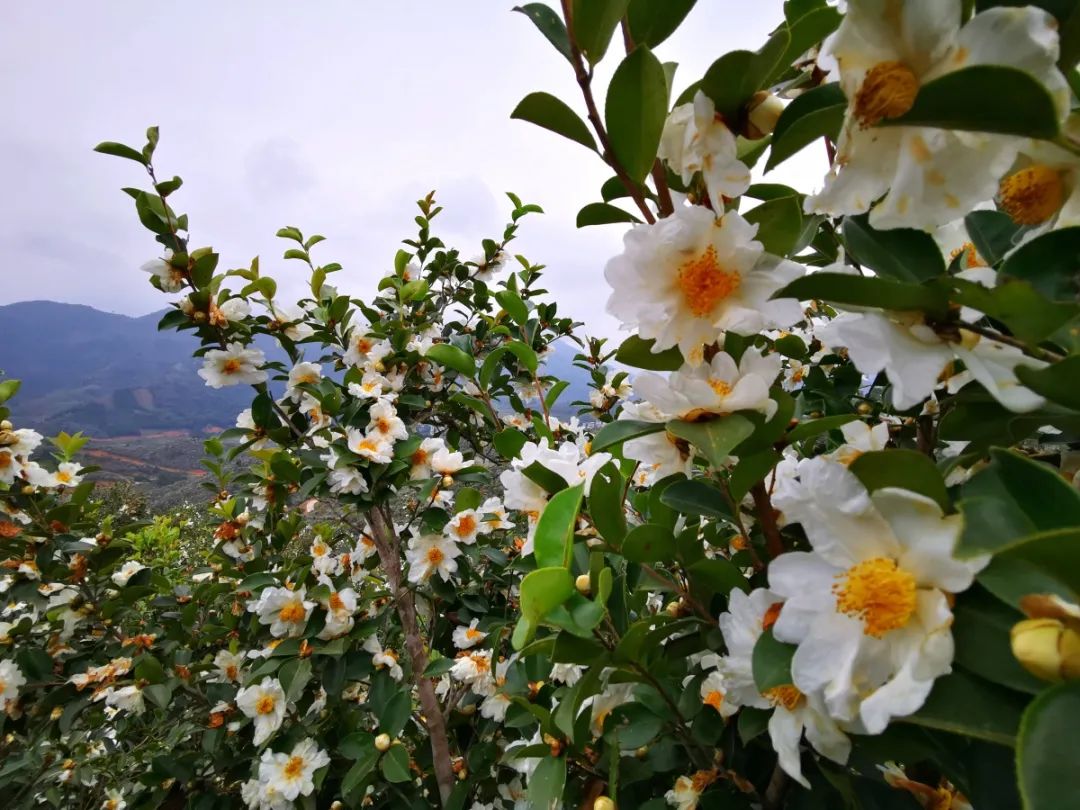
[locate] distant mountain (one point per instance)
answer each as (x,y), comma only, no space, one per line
(114,375)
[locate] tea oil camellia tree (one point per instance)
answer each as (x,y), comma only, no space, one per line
(812,542)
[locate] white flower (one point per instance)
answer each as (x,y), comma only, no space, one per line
(685,279)
(383,658)
(126,571)
(11,680)
(914,356)
(372,385)
(688,789)
(929,176)
(421,458)
(660,454)
(340,607)
(794,374)
(1041,190)
(860,438)
(718,387)
(445,461)
(292,774)
(347,481)
(474,669)
(493,515)
(373,447)
(260,796)
(431,554)
(384,422)
(290,319)
(466,637)
(494,706)
(245,421)
(869,606)
(66,475)
(568,674)
(114,800)
(170,278)
(265,704)
(364,549)
(613,696)
(234,365)
(695,140)
(234,309)
(365,349)
(301,374)
(465,526)
(126,698)
(285,611)
(229,666)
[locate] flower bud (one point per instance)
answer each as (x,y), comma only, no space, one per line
(764,112)
(448,480)
(583,584)
(1047,648)
(382,742)
(6,425)
(603,803)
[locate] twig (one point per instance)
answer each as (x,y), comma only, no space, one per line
(767,517)
(777,787)
(1032,351)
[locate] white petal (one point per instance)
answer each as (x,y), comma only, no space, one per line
(785,731)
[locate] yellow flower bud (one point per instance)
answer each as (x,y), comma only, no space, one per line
(382,742)
(6,425)
(603,803)
(583,584)
(765,110)
(1047,648)
(448,480)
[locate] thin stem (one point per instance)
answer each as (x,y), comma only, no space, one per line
(1008,340)
(767,517)
(584,80)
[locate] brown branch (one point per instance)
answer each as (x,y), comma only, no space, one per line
(777,787)
(388,545)
(663,193)
(1031,351)
(584,80)
(774,543)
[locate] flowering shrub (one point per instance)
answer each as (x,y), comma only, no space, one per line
(830,559)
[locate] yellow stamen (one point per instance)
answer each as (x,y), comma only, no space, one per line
(265,705)
(715,699)
(292,612)
(230,366)
(1032,195)
(878,592)
(704,283)
(294,767)
(787,696)
(888,91)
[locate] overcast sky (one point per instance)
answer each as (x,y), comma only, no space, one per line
(331,116)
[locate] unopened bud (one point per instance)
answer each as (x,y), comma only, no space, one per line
(1047,648)
(6,425)
(865,408)
(764,112)
(583,584)
(447,480)
(382,742)
(603,803)
(641,752)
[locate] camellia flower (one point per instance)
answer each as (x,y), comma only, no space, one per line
(372,385)
(340,607)
(300,374)
(719,387)
(445,461)
(860,438)
(688,789)
(431,554)
(494,515)
(67,474)
(126,698)
(365,350)
(466,637)
(660,454)
(170,278)
(929,176)
(126,571)
(465,526)
(695,140)
(474,669)
(869,607)
(234,365)
(1040,191)
(372,446)
(383,658)
(245,421)
(11,680)
(599,397)
(384,421)
(689,276)
(914,356)
(114,800)
(568,674)
(494,706)
(234,309)
(290,320)
(229,666)
(420,460)
(285,611)
(291,775)
(265,704)
(347,481)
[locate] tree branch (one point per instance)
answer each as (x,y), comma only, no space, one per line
(767,516)
(388,545)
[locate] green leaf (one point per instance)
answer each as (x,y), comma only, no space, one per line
(815,427)
(119,150)
(621,430)
(546,784)
(550,25)
(984,98)
(733,78)
(294,676)
(1047,757)
(904,469)
(452,357)
(635,111)
(603,214)
(653,21)
(593,23)
(649,543)
(550,480)
(695,497)
(716,576)
(1011,499)
(542,591)
(514,306)
(805,32)
(606,504)
(1049,262)
(361,769)
(1055,554)
(981,627)
(395,764)
(902,254)
(993,234)
(1057,382)
(546,111)
(866,291)
(639,353)
(780,222)
(8,389)
(715,438)
(395,714)
(772,662)
(1018,305)
(964,704)
(750,470)
(509,442)
(817,113)
(554,537)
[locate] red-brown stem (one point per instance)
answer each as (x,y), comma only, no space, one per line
(584,81)
(388,546)
(774,543)
(663,193)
